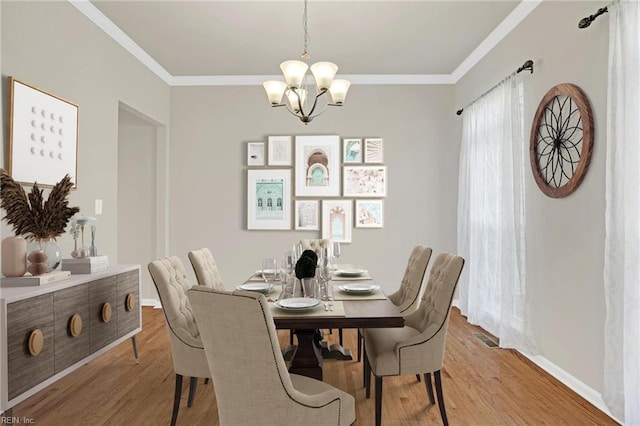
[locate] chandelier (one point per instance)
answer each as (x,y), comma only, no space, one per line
(299,100)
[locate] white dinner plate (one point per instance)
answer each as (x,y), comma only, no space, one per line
(358,288)
(351,272)
(261,287)
(259,271)
(297,303)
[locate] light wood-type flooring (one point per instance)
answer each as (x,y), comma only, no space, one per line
(482,386)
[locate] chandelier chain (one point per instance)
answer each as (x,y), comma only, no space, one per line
(305,53)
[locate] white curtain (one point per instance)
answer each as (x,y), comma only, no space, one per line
(492,289)
(622,216)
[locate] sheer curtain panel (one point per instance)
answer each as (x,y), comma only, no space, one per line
(622,216)
(492,288)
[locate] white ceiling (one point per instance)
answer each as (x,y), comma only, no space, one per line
(367,38)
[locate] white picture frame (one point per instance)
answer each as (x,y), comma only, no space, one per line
(307,215)
(43,136)
(317,166)
(373,150)
(337,220)
(352,150)
(365,181)
(279,151)
(269,199)
(369,214)
(255,153)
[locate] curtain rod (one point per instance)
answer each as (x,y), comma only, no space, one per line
(528,65)
(585,22)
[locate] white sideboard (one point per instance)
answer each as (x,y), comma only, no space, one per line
(48,331)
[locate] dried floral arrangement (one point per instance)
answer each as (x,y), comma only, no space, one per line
(30,215)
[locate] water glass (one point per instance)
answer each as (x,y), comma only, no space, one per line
(269,271)
(335,251)
(309,287)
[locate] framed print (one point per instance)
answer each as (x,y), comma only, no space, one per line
(317,165)
(279,151)
(268,199)
(255,154)
(373,150)
(43,136)
(365,181)
(369,214)
(307,215)
(337,219)
(352,150)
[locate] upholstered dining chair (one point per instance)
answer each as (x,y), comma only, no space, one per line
(315,244)
(252,384)
(407,297)
(418,347)
(187,350)
(205,268)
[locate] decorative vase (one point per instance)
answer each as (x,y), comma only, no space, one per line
(50,249)
(14,256)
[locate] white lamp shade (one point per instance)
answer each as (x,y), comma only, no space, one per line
(323,73)
(292,98)
(275,90)
(338,90)
(294,72)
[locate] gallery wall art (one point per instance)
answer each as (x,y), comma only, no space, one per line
(268,199)
(317,166)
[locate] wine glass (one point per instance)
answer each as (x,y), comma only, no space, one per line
(324,269)
(269,271)
(336,251)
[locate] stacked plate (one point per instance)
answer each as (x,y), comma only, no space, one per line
(297,304)
(353,272)
(358,288)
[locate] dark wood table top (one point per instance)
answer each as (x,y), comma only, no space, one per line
(358,314)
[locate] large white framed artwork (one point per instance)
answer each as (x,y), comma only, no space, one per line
(317,165)
(365,181)
(268,199)
(43,136)
(337,220)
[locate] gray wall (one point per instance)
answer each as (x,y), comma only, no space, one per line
(210,127)
(565,237)
(53,46)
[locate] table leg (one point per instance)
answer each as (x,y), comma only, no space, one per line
(307,360)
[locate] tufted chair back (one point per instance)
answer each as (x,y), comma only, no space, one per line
(407,297)
(432,317)
(186,346)
(252,384)
(315,244)
(205,268)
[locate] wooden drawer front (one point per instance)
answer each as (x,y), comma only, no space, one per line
(102,333)
(23,317)
(66,303)
(128,320)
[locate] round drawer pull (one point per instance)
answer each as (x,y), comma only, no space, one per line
(106,312)
(36,342)
(75,325)
(130,302)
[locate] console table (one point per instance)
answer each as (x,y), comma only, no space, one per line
(48,331)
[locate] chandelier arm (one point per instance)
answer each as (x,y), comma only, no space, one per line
(315,101)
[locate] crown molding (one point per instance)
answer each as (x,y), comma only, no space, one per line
(500,32)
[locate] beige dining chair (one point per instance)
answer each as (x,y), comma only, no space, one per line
(407,297)
(252,384)
(187,350)
(315,244)
(418,347)
(205,268)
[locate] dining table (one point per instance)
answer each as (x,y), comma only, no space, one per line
(371,309)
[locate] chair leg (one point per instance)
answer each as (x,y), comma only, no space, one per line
(443,413)
(378,400)
(427,383)
(418,378)
(193,384)
(176,399)
(365,373)
(206,380)
(359,346)
(340,336)
(291,337)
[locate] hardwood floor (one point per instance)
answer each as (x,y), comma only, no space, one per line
(482,386)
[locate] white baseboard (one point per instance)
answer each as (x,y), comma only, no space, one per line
(151,302)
